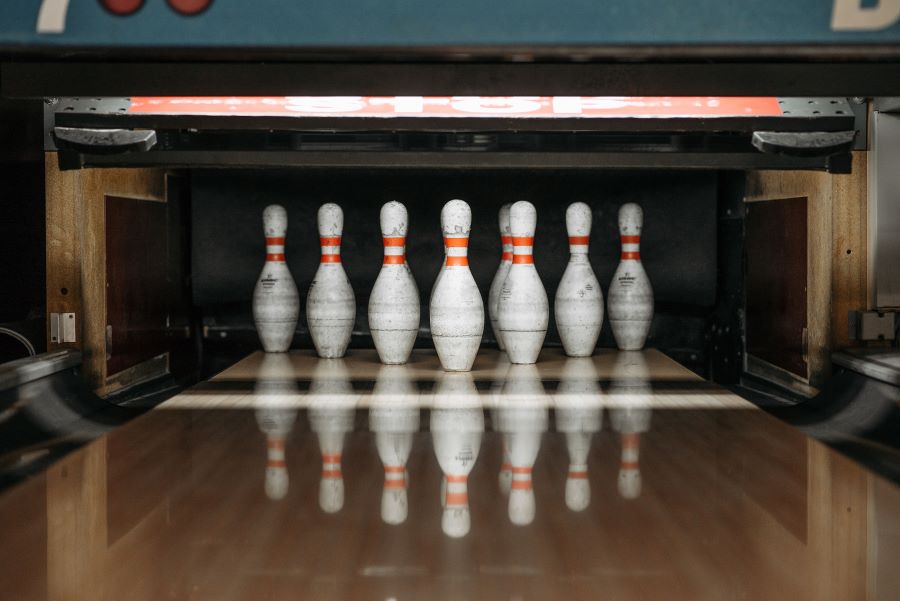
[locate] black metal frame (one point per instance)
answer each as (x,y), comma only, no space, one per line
(855,74)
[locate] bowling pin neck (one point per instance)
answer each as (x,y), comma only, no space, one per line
(275,450)
(506,241)
(457,491)
(331,249)
(331,465)
(457,249)
(631,247)
(578,245)
(521,478)
(275,249)
(394,476)
(394,250)
(578,471)
(630,450)
(523,247)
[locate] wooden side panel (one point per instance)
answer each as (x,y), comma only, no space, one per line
(777,282)
(850,248)
(136,284)
(76,249)
(836,223)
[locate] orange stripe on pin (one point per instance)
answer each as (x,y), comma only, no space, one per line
(457,261)
(456,242)
(331,474)
(331,457)
(523,240)
(275,241)
(521,484)
(578,475)
(457,498)
(630,256)
(330,241)
(394,259)
(330,259)
(579,239)
(630,239)
(275,257)
(523,259)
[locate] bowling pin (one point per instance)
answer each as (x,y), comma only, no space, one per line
(394,302)
(275,397)
(332,404)
(630,401)
(457,425)
(330,304)
(394,418)
(502,271)
(630,293)
(523,417)
(523,309)
(276,303)
(579,300)
(578,415)
(504,477)
(457,311)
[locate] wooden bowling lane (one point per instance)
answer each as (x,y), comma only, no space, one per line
(174,505)
(363,378)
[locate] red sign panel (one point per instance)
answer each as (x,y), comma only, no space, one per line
(545,107)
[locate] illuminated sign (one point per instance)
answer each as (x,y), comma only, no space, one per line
(544,107)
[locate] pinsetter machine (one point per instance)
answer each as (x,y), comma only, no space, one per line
(144,138)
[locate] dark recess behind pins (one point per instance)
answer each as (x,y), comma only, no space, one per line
(678,247)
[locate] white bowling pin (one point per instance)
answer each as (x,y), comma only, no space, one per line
(502,271)
(523,309)
(275,398)
(276,303)
(457,311)
(630,400)
(579,300)
(524,417)
(394,418)
(394,302)
(630,293)
(330,304)
(457,425)
(332,404)
(578,415)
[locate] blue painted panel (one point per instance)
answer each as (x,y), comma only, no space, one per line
(348,23)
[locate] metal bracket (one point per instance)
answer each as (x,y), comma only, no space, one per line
(104,141)
(62,328)
(804,144)
(871,325)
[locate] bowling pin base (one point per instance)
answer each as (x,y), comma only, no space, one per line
(331,340)
(629,483)
(394,506)
(523,347)
(394,346)
(579,340)
(276,337)
(457,353)
(331,495)
(630,335)
(495,325)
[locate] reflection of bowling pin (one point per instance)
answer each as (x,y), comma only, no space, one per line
(276,303)
(457,311)
(523,309)
(394,418)
(630,398)
(502,271)
(457,424)
(330,304)
(275,397)
(394,302)
(630,293)
(578,415)
(579,301)
(504,477)
(523,418)
(331,407)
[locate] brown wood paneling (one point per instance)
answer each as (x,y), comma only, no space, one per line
(777,282)
(136,284)
(849,248)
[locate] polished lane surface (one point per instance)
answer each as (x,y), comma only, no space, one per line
(284,478)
